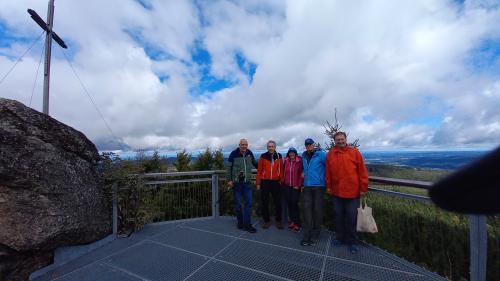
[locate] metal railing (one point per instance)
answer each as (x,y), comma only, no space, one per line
(198,195)
(156,197)
(162,180)
(477,224)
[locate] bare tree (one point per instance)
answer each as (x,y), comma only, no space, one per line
(332,128)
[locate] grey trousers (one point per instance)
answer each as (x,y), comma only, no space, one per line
(313,211)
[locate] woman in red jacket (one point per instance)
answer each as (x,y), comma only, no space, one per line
(292,182)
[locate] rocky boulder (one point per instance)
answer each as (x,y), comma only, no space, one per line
(51,194)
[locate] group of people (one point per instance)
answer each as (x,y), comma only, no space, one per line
(341,173)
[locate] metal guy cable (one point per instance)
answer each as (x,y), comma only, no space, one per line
(20,58)
(36,75)
(90,97)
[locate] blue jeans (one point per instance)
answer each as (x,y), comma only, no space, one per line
(346,216)
(243,189)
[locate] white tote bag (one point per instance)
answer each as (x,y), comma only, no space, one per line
(366,222)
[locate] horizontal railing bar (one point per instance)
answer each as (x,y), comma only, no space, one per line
(176,174)
(401,182)
(178,181)
(401,194)
(384,180)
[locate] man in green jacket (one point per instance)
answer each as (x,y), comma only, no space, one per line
(239,174)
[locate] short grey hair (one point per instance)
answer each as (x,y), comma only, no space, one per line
(271,141)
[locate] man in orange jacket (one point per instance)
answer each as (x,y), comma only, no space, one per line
(269,175)
(347,180)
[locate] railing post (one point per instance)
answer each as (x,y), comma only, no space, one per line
(215,195)
(478,247)
(115,208)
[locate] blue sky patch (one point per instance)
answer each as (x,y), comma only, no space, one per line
(201,56)
(145,4)
(430,111)
(368,118)
(9,37)
(246,66)
(485,56)
(211,84)
(433,121)
(163,78)
(152,51)
(208,83)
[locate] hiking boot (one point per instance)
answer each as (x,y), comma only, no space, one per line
(305,243)
(290,225)
(336,243)
(353,248)
(279,225)
(250,229)
(296,228)
(266,225)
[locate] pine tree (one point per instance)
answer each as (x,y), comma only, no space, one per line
(110,165)
(183,160)
(153,165)
(204,161)
(218,160)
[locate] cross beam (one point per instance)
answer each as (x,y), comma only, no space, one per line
(50,34)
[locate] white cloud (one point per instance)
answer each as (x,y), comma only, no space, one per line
(383,65)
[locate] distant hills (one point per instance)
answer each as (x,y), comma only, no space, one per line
(441,160)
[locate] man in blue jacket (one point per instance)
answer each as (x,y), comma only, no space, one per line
(313,160)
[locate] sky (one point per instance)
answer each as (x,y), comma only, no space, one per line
(181,74)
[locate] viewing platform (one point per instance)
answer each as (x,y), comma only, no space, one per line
(214,249)
(181,226)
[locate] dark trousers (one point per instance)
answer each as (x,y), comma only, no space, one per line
(270,187)
(293,196)
(285,215)
(346,215)
(313,211)
(243,190)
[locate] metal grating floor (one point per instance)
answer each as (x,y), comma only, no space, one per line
(214,249)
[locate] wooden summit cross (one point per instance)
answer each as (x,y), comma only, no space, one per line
(50,34)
